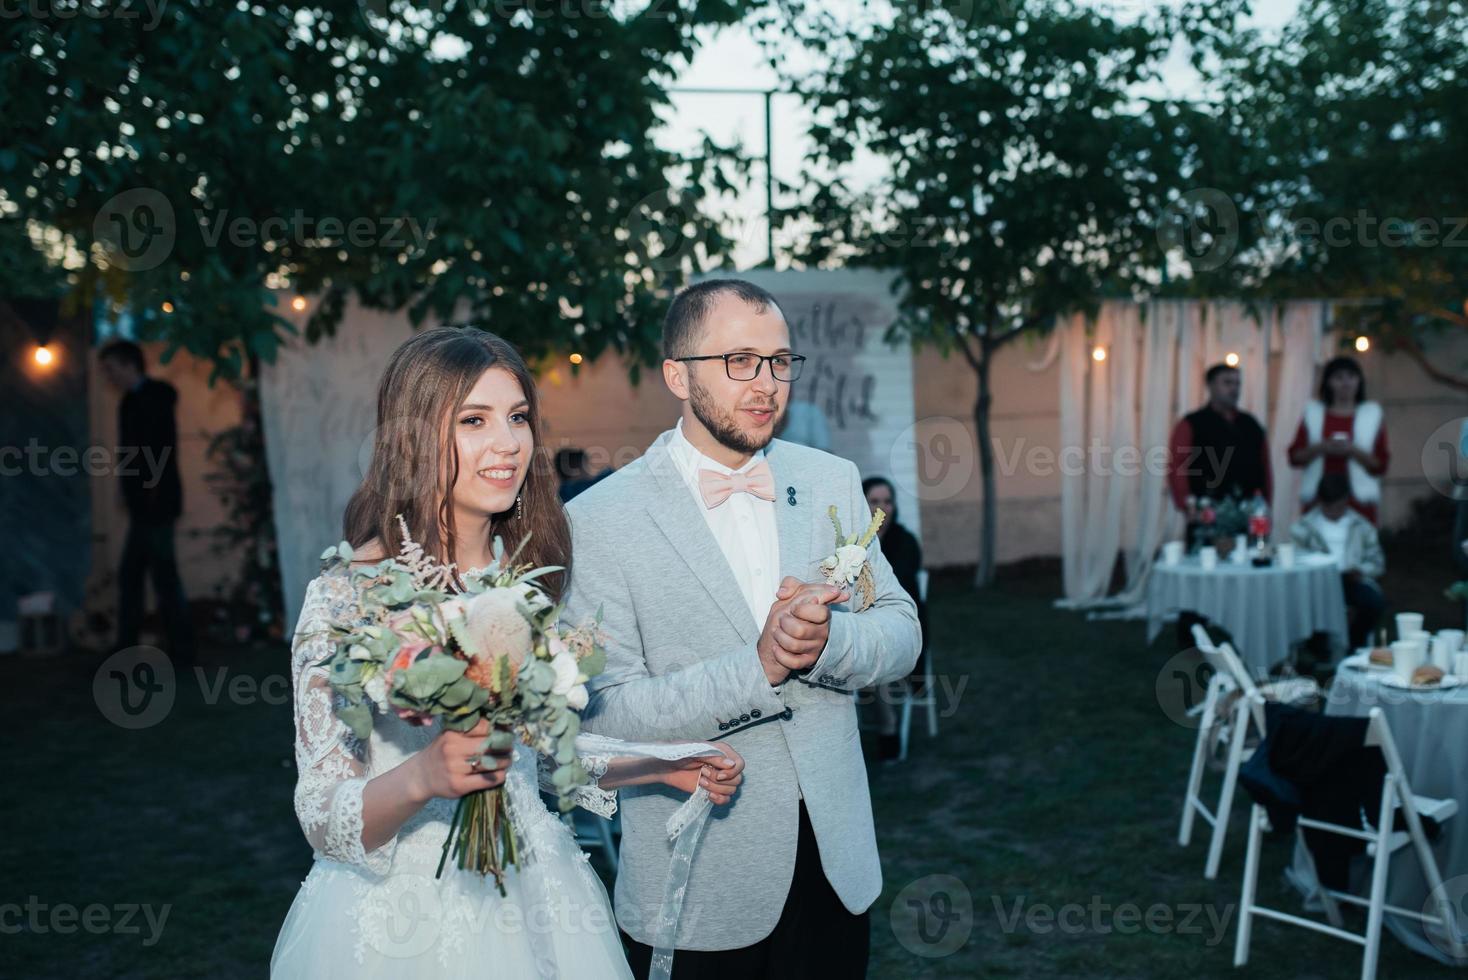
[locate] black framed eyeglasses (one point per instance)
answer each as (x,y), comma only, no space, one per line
(744,366)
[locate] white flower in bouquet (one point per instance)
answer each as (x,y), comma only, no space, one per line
(577,698)
(568,673)
(494,621)
(376,689)
(845,565)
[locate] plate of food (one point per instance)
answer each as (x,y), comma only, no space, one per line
(1424,678)
(1370,658)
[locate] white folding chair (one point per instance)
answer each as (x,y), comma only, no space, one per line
(1381,842)
(1240,725)
(928,699)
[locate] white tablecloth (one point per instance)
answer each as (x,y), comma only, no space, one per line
(1431,732)
(1266,610)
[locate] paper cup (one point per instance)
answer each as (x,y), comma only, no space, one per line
(1460,665)
(1240,554)
(1441,654)
(1408,622)
(1172,552)
(1208,558)
(1286,553)
(1406,658)
(1454,638)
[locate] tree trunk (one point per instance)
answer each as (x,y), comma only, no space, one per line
(984,574)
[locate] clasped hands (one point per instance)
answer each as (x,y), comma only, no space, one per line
(797,627)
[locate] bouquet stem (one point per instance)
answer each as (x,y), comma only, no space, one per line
(481,830)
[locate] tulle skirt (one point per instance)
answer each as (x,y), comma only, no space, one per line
(553,922)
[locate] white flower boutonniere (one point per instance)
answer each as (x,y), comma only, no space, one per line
(850,565)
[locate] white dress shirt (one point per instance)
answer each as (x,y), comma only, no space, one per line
(743,525)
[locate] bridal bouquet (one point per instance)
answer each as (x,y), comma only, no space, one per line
(492,651)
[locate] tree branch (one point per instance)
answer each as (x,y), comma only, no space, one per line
(1413,350)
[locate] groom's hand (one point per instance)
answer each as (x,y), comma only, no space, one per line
(797,627)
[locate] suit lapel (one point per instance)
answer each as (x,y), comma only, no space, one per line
(794,523)
(675,512)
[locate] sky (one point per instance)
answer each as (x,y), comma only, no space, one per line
(732,58)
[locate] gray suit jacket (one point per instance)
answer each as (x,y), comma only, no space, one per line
(682,665)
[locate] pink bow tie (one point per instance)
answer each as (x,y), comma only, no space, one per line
(718,487)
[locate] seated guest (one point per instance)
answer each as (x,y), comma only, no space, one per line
(902,551)
(1336,529)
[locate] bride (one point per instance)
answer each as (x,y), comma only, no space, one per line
(454,453)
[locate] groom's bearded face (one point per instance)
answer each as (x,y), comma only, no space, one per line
(741,415)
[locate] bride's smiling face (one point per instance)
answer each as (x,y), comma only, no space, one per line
(493,437)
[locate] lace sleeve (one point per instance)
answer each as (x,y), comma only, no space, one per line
(595,759)
(331,763)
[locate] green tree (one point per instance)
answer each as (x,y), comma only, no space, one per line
(1353,124)
(485,161)
(1023,176)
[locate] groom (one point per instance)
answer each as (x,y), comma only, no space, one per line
(703,558)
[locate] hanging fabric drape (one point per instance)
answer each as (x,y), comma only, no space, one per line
(1117,414)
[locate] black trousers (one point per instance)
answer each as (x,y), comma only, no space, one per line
(149,551)
(815,938)
(1365,604)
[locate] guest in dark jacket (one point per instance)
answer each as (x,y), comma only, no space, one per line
(903,552)
(147,469)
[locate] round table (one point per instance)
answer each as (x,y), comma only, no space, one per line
(1266,610)
(1431,732)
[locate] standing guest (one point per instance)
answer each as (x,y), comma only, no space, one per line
(1335,528)
(1342,434)
(1218,451)
(147,436)
(903,552)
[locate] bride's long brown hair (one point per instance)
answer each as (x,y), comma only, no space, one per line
(415,459)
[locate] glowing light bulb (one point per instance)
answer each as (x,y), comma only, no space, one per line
(1231,359)
(576,358)
(1098,353)
(43,356)
(298,304)
(1363,344)
(167,307)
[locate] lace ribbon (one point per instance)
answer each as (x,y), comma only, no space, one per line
(685,828)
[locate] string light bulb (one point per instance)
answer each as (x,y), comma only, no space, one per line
(576,358)
(298,304)
(1363,344)
(43,356)
(1098,353)
(1231,359)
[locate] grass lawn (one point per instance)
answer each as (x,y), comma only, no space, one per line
(1055,782)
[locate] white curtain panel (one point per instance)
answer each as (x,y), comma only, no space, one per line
(1303,328)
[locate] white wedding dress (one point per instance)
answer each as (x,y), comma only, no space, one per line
(383,914)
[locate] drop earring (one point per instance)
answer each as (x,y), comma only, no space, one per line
(519,507)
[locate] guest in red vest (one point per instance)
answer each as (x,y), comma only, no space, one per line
(1342,433)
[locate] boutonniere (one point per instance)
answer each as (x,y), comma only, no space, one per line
(850,565)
